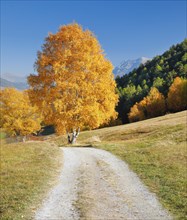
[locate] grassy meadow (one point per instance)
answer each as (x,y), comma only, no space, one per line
(27,172)
(155,149)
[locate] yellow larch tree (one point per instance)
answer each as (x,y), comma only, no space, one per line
(137,112)
(156,105)
(151,106)
(177,95)
(18,116)
(74,87)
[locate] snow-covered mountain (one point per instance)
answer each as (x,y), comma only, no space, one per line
(127,66)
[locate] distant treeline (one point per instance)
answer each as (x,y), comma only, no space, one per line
(160,73)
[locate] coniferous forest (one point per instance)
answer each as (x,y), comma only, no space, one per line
(160,73)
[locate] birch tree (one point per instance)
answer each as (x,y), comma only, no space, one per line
(74,87)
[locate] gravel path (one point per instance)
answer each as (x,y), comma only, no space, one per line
(96,185)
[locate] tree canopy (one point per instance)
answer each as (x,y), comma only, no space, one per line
(18,116)
(177,96)
(151,106)
(74,86)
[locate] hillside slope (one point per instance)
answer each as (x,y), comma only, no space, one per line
(155,149)
(160,72)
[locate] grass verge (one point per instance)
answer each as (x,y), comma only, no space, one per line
(27,171)
(159,159)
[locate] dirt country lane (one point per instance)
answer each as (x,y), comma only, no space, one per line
(95,185)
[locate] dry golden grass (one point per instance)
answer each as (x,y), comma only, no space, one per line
(27,171)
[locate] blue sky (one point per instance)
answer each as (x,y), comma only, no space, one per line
(125,29)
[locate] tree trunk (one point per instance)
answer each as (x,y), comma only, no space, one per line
(24,138)
(72,138)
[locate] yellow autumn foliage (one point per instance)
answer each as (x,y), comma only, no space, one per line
(151,106)
(74,86)
(18,116)
(137,111)
(177,95)
(156,105)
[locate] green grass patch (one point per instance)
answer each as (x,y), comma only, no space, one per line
(2,135)
(27,171)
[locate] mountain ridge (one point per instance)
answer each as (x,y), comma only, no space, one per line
(4,83)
